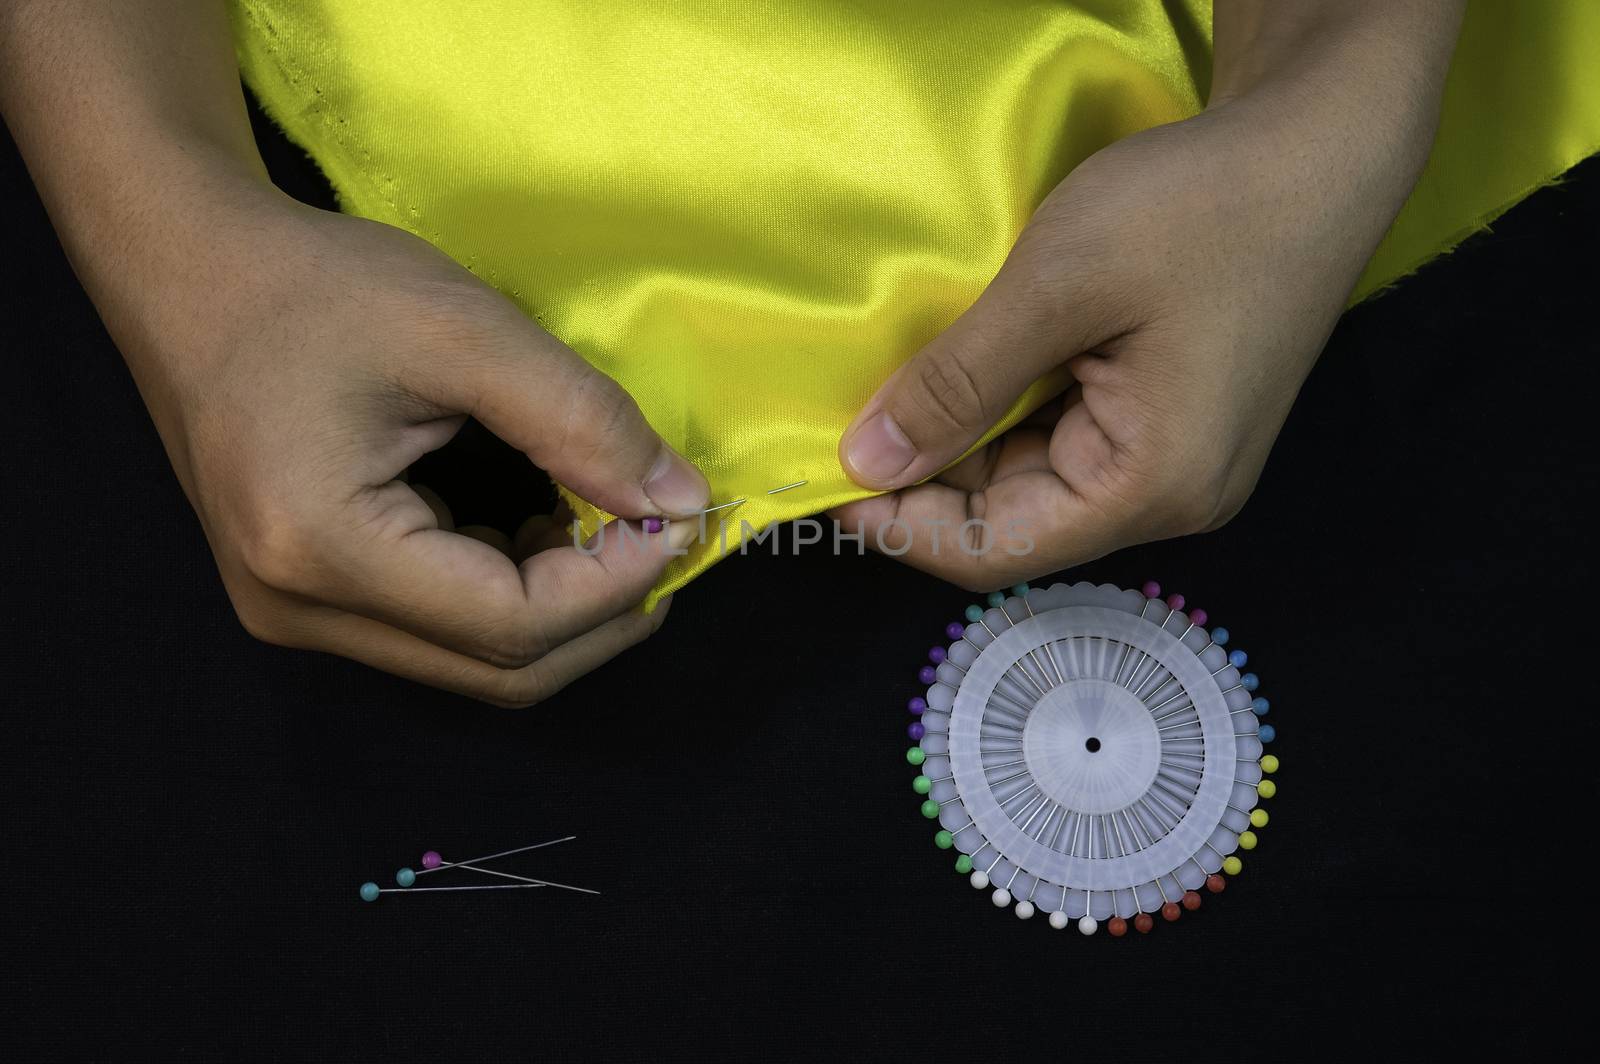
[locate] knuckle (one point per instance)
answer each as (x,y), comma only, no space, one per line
(262,622)
(1204,503)
(516,643)
(521,688)
(973,582)
(452,311)
(598,414)
(947,393)
(278,550)
(638,625)
(1224,509)
(457,321)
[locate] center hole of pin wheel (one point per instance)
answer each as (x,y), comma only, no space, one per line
(1092,744)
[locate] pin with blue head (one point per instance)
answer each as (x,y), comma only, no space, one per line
(406,878)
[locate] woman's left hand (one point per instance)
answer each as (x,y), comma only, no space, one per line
(1186,278)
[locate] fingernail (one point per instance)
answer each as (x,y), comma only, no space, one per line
(675,486)
(879,451)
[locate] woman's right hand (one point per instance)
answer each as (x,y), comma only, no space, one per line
(297,361)
(303,362)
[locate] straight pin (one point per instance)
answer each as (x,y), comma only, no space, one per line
(432,862)
(370,891)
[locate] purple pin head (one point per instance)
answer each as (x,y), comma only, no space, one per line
(927,674)
(431,859)
(918,706)
(1151,589)
(955,630)
(1175,602)
(916,730)
(1199,617)
(652,524)
(936,655)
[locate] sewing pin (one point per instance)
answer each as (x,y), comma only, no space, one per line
(370,891)
(432,862)
(1021,592)
(1025,907)
(405,880)
(789,487)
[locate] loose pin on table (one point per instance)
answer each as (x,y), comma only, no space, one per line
(370,891)
(433,862)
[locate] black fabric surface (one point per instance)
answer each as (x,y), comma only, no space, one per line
(188,813)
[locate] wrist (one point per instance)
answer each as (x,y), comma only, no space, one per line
(1355,138)
(160,250)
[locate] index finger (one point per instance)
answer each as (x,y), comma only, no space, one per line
(1030,524)
(387,560)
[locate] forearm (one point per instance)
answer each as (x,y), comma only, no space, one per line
(1340,96)
(133,125)
(1352,48)
(1375,66)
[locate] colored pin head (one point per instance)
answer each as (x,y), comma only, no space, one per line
(432,862)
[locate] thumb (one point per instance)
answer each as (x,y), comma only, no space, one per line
(575,423)
(937,405)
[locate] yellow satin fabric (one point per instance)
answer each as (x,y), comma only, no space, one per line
(749,214)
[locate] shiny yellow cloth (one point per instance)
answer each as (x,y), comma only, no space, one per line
(749,213)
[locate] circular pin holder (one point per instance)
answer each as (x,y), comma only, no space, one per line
(1092,753)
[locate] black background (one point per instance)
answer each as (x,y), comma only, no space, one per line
(188,813)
